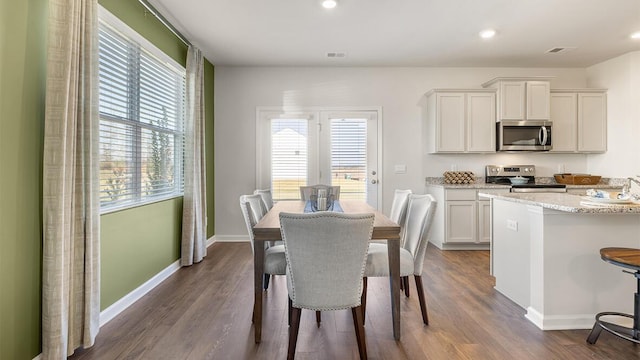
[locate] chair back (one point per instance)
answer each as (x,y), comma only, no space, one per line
(267,198)
(418,221)
(308,192)
(399,206)
(252,211)
(326,254)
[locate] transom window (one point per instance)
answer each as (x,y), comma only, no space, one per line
(141,106)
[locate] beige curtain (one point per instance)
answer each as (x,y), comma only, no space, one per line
(194,213)
(71,221)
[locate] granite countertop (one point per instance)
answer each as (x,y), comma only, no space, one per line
(605,183)
(565,202)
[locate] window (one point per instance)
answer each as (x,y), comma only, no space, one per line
(141,106)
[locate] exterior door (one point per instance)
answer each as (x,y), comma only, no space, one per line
(348,154)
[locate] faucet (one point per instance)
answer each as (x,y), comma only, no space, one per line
(626,188)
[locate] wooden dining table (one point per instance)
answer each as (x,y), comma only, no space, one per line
(268,229)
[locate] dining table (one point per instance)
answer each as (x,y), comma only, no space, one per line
(268,229)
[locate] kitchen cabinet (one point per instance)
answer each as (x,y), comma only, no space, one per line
(462,219)
(461,121)
(579,119)
(522,98)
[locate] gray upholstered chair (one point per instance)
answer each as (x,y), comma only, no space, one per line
(267,198)
(306,192)
(414,241)
(274,259)
(326,254)
(398,209)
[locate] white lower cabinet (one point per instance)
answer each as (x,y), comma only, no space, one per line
(462,219)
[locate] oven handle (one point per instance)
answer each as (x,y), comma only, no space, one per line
(543,135)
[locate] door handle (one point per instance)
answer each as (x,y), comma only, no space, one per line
(543,135)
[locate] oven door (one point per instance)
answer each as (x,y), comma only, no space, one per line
(529,135)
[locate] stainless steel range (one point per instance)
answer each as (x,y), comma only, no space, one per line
(502,174)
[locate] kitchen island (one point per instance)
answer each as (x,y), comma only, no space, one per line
(545,256)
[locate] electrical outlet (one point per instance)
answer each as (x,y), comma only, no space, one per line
(512,225)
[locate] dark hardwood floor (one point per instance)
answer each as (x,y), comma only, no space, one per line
(204,312)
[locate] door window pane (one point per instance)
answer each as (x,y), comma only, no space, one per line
(349,157)
(289,157)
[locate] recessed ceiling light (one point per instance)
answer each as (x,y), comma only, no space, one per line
(329,4)
(635,35)
(487,34)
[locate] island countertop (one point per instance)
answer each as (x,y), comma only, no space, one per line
(564,202)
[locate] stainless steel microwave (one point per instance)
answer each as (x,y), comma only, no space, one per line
(526,135)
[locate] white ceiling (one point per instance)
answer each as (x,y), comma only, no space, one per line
(406,32)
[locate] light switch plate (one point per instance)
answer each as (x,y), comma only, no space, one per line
(400,169)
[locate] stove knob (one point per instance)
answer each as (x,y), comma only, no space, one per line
(527,169)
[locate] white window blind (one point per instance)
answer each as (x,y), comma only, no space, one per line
(141,106)
(349,157)
(289,157)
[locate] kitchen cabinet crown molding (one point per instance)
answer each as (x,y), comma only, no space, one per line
(579,90)
(457,90)
(517,78)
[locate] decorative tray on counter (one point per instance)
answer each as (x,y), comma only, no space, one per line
(577,179)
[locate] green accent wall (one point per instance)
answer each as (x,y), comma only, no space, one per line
(135,244)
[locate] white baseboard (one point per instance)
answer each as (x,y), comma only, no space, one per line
(560,322)
(119,306)
(231,238)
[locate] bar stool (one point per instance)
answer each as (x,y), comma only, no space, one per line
(630,259)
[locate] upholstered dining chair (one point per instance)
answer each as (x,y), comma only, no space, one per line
(274,259)
(267,198)
(306,192)
(420,210)
(326,254)
(398,209)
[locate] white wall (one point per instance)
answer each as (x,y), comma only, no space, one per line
(399,91)
(621,76)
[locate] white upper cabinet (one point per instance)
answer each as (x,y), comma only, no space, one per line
(522,98)
(579,120)
(461,121)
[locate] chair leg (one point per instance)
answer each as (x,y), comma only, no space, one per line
(265,281)
(289,311)
(359,327)
(423,303)
(318,318)
(363,299)
(293,332)
(405,280)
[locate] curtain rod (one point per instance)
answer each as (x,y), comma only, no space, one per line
(164,21)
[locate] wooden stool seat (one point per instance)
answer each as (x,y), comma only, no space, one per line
(630,259)
(625,257)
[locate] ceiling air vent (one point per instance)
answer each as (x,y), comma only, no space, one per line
(560,49)
(335,55)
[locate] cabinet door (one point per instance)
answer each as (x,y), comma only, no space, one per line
(484,222)
(564,115)
(450,122)
(481,122)
(592,122)
(538,97)
(461,222)
(512,100)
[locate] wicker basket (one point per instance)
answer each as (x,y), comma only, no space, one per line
(577,179)
(459,177)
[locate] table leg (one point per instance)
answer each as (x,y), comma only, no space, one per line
(393,247)
(258,270)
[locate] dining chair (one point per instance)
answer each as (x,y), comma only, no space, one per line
(398,209)
(306,192)
(420,210)
(267,198)
(326,254)
(274,259)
